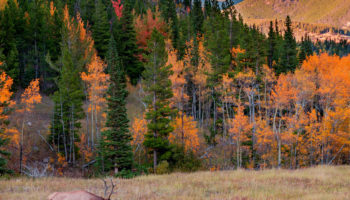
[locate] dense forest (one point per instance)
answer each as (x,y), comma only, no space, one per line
(215,93)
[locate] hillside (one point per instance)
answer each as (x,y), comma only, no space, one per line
(323,182)
(335,15)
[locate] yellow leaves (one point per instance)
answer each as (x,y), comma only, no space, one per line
(14,136)
(235,52)
(52,8)
(177,78)
(185,132)
(97,81)
(5,87)
(138,130)
(240,126)
(5,94)
(31,95)
(61,159)
(3,3)
(199,73)
(284,92)
(76,31)
(66,18)
(84,149)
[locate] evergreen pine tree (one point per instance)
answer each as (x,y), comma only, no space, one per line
(168,9)
(197,17)
(115,151)
(100,29)
(8,40)
(289,53)
(158,87)
(125,36)
(271,40)
(305,48)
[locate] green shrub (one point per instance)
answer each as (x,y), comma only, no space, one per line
(163,168)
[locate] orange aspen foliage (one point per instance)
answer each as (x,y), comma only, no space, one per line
(227,88)
(267,147)
(62,163)
(204,67)
(5,100)
(52,8)
(185,132)
(84,149)
(236,53)
(66,18)
(31,95)
(77,29)
(247,83)
(5,92)
(3,3)
(284,92)
(239,131)
(314,140)
(331,75)
(178,80)
(96,81)
(138,130)
(200,72)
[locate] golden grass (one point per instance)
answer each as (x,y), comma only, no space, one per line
(323,182)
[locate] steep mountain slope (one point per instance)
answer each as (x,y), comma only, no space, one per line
(333,13)
(322,19)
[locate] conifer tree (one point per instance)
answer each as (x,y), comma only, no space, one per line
(125,36)
(158,87)
(305,48)
(271,40)
(8,41)
(168,9)
(289,53)
(115,151)
(100,29)
(197,17)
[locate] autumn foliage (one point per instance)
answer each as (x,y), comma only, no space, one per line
(144,26)
(118,8)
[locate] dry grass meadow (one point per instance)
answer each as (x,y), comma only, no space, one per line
(323,182)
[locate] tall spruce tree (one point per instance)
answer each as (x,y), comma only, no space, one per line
(125,36)
(305,48)
(158,87)
(10,24)
(289,59)
(168,9)
(100,29)
(271,40)
(197,17)
(115,151)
